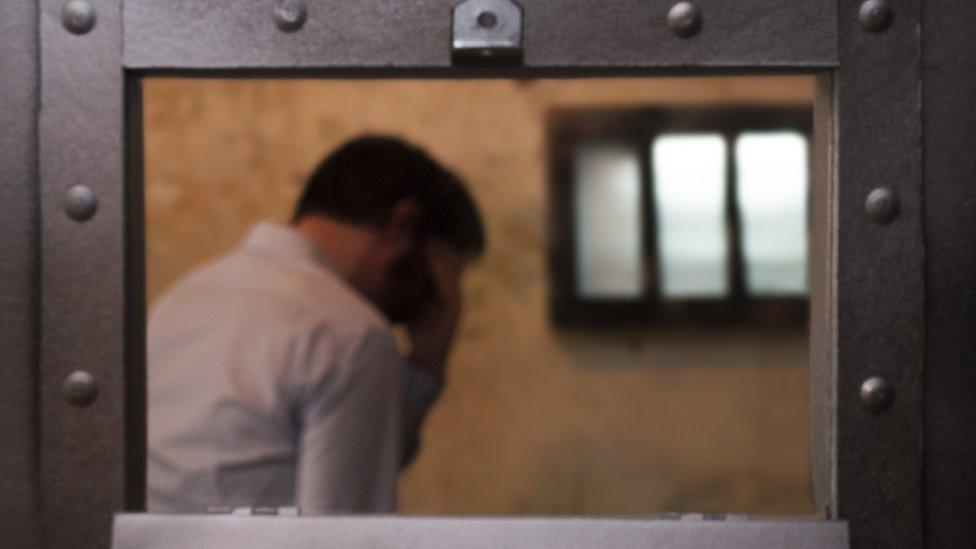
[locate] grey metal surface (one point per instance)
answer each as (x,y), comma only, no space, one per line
(82,449)
(823,294)
(216,532)
(949,94)
(18,273)
(135,311)
(238,34)
(880,289)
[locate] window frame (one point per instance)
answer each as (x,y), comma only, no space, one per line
(636,128)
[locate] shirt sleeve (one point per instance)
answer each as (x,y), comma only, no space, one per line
(349,442)
(420,392)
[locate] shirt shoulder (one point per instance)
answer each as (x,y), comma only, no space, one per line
(274,292)
(298,319)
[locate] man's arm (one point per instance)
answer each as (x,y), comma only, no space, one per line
(421,390)
(349,442)
(432,334)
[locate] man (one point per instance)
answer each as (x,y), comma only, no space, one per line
(274,375)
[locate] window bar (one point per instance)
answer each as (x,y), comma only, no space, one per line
(652,276)
(737,292)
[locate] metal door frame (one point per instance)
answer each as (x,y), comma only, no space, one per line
(72,217)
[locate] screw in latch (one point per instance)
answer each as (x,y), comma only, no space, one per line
(487,20)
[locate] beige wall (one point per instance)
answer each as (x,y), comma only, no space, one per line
(534,420)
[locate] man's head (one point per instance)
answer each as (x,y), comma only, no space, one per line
(403,200)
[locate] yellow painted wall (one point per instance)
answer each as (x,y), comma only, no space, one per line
(534,420)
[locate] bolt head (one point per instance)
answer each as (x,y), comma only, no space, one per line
(877,395)
(882,205)
(78,16)
(79,388)
(80,203)
(290,15)
(685,19)
(487,20)
(875,15)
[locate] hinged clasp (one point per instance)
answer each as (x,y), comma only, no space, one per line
(487,32)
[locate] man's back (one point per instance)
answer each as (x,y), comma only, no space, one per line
(271,382)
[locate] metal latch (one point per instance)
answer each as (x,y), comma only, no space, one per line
(487,32)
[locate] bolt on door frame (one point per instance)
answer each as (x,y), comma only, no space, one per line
(867,286)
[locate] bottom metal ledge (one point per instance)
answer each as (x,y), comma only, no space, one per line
(401,532)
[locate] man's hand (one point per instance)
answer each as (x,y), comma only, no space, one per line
(432,332)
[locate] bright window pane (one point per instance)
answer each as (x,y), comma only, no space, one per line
(689,187)
(608,222)
(772,182)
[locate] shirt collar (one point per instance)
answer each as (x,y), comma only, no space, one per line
(284,242)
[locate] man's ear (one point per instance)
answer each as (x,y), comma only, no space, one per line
(403,225)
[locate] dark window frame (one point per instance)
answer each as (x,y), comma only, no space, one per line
(637,128)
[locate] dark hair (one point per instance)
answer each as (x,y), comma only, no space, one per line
(362,180)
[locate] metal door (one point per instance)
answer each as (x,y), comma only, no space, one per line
(892,372)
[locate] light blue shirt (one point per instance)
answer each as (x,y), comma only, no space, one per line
(272,382)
